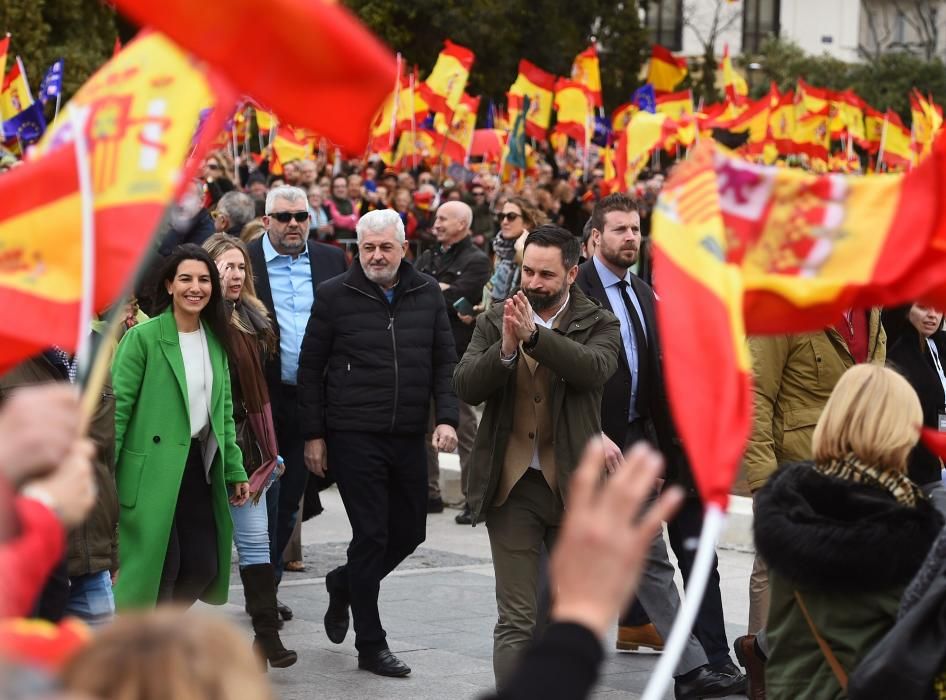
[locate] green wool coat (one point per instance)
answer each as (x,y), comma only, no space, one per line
(152,440)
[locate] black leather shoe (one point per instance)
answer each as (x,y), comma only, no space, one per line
(730,669)
(708,683)
(336,617)
(466,517)
(384,663)
(435,505)
(285,612)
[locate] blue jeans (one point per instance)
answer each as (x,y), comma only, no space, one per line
(90,598)
(251,529)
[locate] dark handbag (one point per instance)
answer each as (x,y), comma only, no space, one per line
(246,439)
(907,660)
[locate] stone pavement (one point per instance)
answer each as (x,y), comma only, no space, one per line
(439,610)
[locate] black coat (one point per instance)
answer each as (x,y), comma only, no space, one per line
(326,262)
(466,269)
(616,400)
(372,366)
(911,357)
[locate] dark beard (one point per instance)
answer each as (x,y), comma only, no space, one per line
(543,302)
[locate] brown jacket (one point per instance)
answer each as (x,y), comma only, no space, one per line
(93,546)
(793,377)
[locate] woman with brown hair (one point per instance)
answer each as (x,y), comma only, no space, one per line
(843,536)
(517,217)
(252,338)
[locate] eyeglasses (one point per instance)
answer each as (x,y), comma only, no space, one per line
(509,216)
(284,217)
(479,193)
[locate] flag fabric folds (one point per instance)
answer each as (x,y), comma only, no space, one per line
(665,71)
(15,95)
(458,131)
(743,248)
(444,87)
(573,105)
(4,50)
(51,87)
(538,86)
(733,83)
(332,84)
(291,144)
(139,112)
(587,71)
(516,143)
(896,149)
(27,126)
(644,98)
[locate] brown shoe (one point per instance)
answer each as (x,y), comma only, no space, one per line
(632,638)
(295,565)
(749,659)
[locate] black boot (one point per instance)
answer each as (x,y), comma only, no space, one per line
(259,587)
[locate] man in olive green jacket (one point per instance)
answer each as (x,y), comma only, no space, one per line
(793,376)
(539,362)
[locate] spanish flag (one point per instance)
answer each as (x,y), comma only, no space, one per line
(291,144)
(573,105)
(621,116)
(645,133)
(488,145)
(810,99)
(896,149)
(458,132)
(320,69)
(139,113)
(733,83)
(538,86)
(413,150)
(665,70)
(849,116)
(873,129)
(741,248)
(443,88)
(782,123)
(400,110)
(811,136)
(676,104)
(15,95)
(4,50)
(586,71)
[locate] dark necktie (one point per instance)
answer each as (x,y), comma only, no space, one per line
(643,357)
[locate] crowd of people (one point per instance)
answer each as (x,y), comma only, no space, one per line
(344,323)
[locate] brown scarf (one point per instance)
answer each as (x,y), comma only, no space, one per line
(896,483)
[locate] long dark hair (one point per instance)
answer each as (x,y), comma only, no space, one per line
(214,314)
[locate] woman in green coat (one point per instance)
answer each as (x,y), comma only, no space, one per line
(175,443)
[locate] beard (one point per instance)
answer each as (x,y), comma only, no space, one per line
(620,257)
(542,301)
(383,277)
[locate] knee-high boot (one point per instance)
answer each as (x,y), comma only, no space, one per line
(259,587)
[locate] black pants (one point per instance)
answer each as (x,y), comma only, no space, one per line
(291,485)
(382,480)
(710,626)
(190,564)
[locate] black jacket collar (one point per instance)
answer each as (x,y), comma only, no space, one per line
(409,279)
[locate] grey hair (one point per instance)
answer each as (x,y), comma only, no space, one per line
(238,207)
(287,192)
(379,220)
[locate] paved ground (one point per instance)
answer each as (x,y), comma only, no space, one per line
(439,609)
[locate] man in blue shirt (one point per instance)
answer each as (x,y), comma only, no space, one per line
(287,268)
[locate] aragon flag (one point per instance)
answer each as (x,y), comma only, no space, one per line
(309,61)
(139,112)
(443,88)
(742,248)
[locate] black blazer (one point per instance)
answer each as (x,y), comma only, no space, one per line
(326,262)
(617,392)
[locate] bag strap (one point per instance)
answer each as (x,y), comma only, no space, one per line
(829,656)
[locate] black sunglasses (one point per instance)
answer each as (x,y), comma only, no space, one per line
(284,217)
(509,216)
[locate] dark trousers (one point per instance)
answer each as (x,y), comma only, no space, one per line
(190,564)
(292,483)
(382,480)
(710,626)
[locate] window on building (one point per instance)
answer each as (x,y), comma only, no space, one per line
(664,22)
(760,20)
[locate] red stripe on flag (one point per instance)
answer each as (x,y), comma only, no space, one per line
(464,55)
(536,75)
(710,396)
(39,182)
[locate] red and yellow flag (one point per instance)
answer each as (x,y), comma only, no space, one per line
(412,151)
(333,84)
(810,99)
(896,151)
(644,134)
(15,95)
(443,88)
(665,70)
(741,248)
(873,129)
(573,105)
(621,116)
(458,132)
(734,84)
(291,144)
(4,50)
(139,113)
(538,86)
(587,71)
(811,136)
(488,144)
(782,123)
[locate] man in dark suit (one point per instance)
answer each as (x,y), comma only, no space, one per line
(287,268)
(634,408)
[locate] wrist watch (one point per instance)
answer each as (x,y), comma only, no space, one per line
(533,339)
